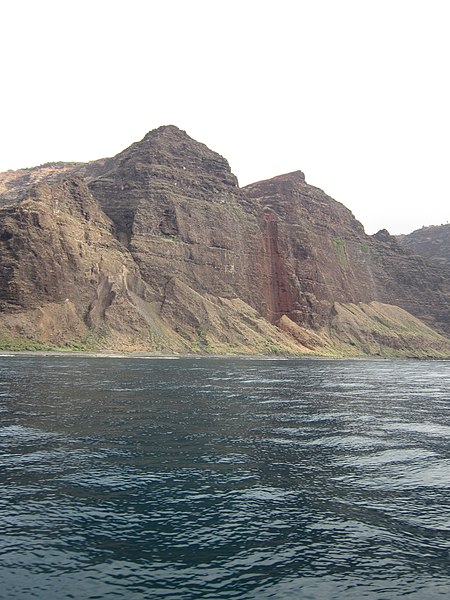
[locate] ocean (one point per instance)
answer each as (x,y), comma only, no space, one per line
(135,478)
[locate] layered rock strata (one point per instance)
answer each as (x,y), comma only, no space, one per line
(432,243)
(159,250)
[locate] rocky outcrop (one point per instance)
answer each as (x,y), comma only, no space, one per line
(60,266)
(158,249)
(432,243)
(383,330)
(411,282)
(179,211)
(317,253)
(15,184)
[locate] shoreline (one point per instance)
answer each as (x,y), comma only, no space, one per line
(150,356)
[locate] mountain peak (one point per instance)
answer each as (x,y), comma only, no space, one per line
(189,262)
(166,130)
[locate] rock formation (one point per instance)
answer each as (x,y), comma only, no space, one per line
(159,250)
(432,243)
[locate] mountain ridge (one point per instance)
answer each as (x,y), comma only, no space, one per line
(432,243)
(158,249)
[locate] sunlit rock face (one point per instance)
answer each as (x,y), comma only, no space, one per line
(158,249)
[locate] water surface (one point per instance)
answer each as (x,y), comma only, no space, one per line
(224,478)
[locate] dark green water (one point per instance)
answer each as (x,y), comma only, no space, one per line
(207,478)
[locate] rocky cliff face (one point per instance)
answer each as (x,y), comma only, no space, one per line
(179,211)
(318,254)
(432,243)
(158,249)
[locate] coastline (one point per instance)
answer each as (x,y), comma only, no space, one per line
(151,356)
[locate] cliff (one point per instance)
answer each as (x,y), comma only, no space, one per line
(432,243)
(158,249)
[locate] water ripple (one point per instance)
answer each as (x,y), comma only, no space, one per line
(204,478)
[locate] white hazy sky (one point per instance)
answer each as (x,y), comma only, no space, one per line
(355,93)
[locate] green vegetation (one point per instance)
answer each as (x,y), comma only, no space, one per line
(363,246)
(202,342)
(94,340)
(167,237)
(272,347)
(341,252)
(20,345)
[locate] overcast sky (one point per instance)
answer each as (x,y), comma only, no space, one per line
(355,93)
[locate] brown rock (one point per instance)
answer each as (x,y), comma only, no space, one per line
(158,249)
(432,243)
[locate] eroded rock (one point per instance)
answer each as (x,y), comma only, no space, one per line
(158,249)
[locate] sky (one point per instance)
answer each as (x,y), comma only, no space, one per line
(355,93)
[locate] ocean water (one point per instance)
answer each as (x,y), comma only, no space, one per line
(192,478)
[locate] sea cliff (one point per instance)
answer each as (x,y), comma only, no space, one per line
(159,250)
